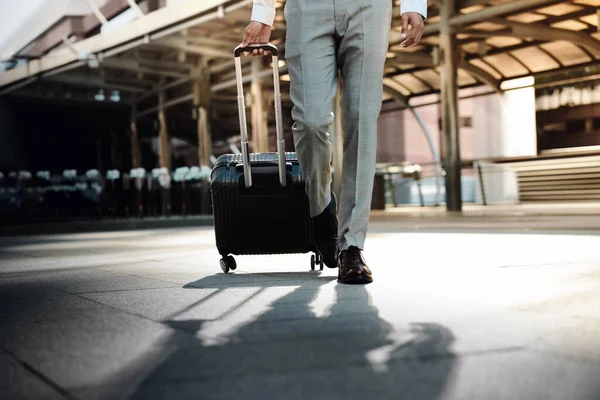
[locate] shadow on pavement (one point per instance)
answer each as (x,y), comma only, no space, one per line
(288,352)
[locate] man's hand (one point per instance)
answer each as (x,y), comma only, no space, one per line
(417,23)
(257,33)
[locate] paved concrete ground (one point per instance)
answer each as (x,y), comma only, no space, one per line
(498,307)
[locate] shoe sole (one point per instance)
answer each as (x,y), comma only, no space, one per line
(356,280)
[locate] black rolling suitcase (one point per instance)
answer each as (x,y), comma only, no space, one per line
(259,201)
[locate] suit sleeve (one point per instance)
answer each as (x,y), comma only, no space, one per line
(264,11)
(418,6)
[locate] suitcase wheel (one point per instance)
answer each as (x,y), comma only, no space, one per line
(228,264)
(315,260)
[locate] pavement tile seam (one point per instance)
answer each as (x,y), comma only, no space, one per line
(124,290)
(53,385)
(46,272)
(255,275)
(170,262)
(98,260)
(152,278)
(109,268)
(140,316)
(82,296)
(112,274)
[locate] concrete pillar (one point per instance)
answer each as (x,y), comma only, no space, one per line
(260,133)
(202,100)
(202,103)
(136,155)
(164,140)
(450,121)
(164,151)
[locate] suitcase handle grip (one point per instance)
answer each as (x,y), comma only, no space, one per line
(266,47)
(242,113)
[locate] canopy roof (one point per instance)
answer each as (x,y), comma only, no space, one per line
(498,40)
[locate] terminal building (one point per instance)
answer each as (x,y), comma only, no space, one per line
(498,104)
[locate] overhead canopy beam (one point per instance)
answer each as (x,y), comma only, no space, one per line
(223,66)
(97,12)
(203,41)
(94,82)
(215,88)
(390,90)
(173,84)
(420,58)
(136,9)
(206,51)
(158,24)
(394,89)
(133,66)
(480,75)
(546,33)
(488,13)
(247,78)
(482,15)
(163,64)
(167,104)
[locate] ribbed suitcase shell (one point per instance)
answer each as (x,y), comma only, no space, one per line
(266,218)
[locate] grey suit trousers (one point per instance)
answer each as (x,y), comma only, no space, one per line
(324,37)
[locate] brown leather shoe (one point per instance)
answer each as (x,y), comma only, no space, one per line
(353,269)
(326,237)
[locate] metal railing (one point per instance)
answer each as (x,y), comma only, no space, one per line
(553,177)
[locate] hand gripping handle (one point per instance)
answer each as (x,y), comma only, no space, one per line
(266,47)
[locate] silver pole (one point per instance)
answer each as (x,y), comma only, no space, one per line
(243,127)
(279,123)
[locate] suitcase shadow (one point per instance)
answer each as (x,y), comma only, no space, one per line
(264,279)
(272,345)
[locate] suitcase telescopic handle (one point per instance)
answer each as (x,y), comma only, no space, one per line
(266,47)
(242,111)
